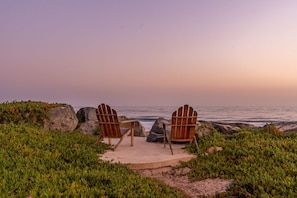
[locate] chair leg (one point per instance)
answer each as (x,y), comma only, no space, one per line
(115,147)
(196,143)
(125,135)
(132,133)
(169,141)
(100,138)
(166,137)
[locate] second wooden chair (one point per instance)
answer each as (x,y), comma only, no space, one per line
(110,126)
(183,124)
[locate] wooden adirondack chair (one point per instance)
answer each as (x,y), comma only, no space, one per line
(109,125)
(183,125)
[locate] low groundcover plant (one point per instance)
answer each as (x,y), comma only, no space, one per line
(54,164)
(261,162)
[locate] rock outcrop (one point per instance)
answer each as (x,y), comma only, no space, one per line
(286,126)
(88,122)
(61,118)
(156,132)
(139,130)
(227,128)
(203,131)
(86,114)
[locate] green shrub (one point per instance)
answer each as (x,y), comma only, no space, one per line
(261,164)
(32,112)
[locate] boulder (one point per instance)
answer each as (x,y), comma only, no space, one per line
(61,118)
(87,120)
(139,130)
(86,114)
(226,128)
(156,132)
(203,131)
(89,127)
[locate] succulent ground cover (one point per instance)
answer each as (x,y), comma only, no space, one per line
(20,112)
(261,163)
(53,164)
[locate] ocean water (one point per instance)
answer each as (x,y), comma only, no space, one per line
(257,116)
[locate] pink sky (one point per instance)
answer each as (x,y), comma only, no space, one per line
(169,52)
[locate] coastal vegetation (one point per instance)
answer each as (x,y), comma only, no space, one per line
(40,163)
(261,162)
(18,112)
(54,164)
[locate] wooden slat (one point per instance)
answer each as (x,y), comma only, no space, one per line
(180,121)
(184,131)
(173,124)
(191,129)
(108,132)
(109,118)
(102,120)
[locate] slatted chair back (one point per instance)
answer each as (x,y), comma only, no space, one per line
(183,124)
(108,121)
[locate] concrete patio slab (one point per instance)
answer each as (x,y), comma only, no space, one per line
(146,155)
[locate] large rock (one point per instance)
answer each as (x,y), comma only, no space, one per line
(226,128)
(139,130)
(203,131)
(156,132)
(86,114)
(89,127)
(87,120)
(61,119)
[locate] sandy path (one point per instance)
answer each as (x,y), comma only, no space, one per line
(178,178)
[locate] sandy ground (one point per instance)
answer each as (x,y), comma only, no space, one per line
(178,178)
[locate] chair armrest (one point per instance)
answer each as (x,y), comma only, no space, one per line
(165,123)
(131,122)
(127,121)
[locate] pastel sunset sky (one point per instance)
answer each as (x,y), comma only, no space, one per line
(154,52)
